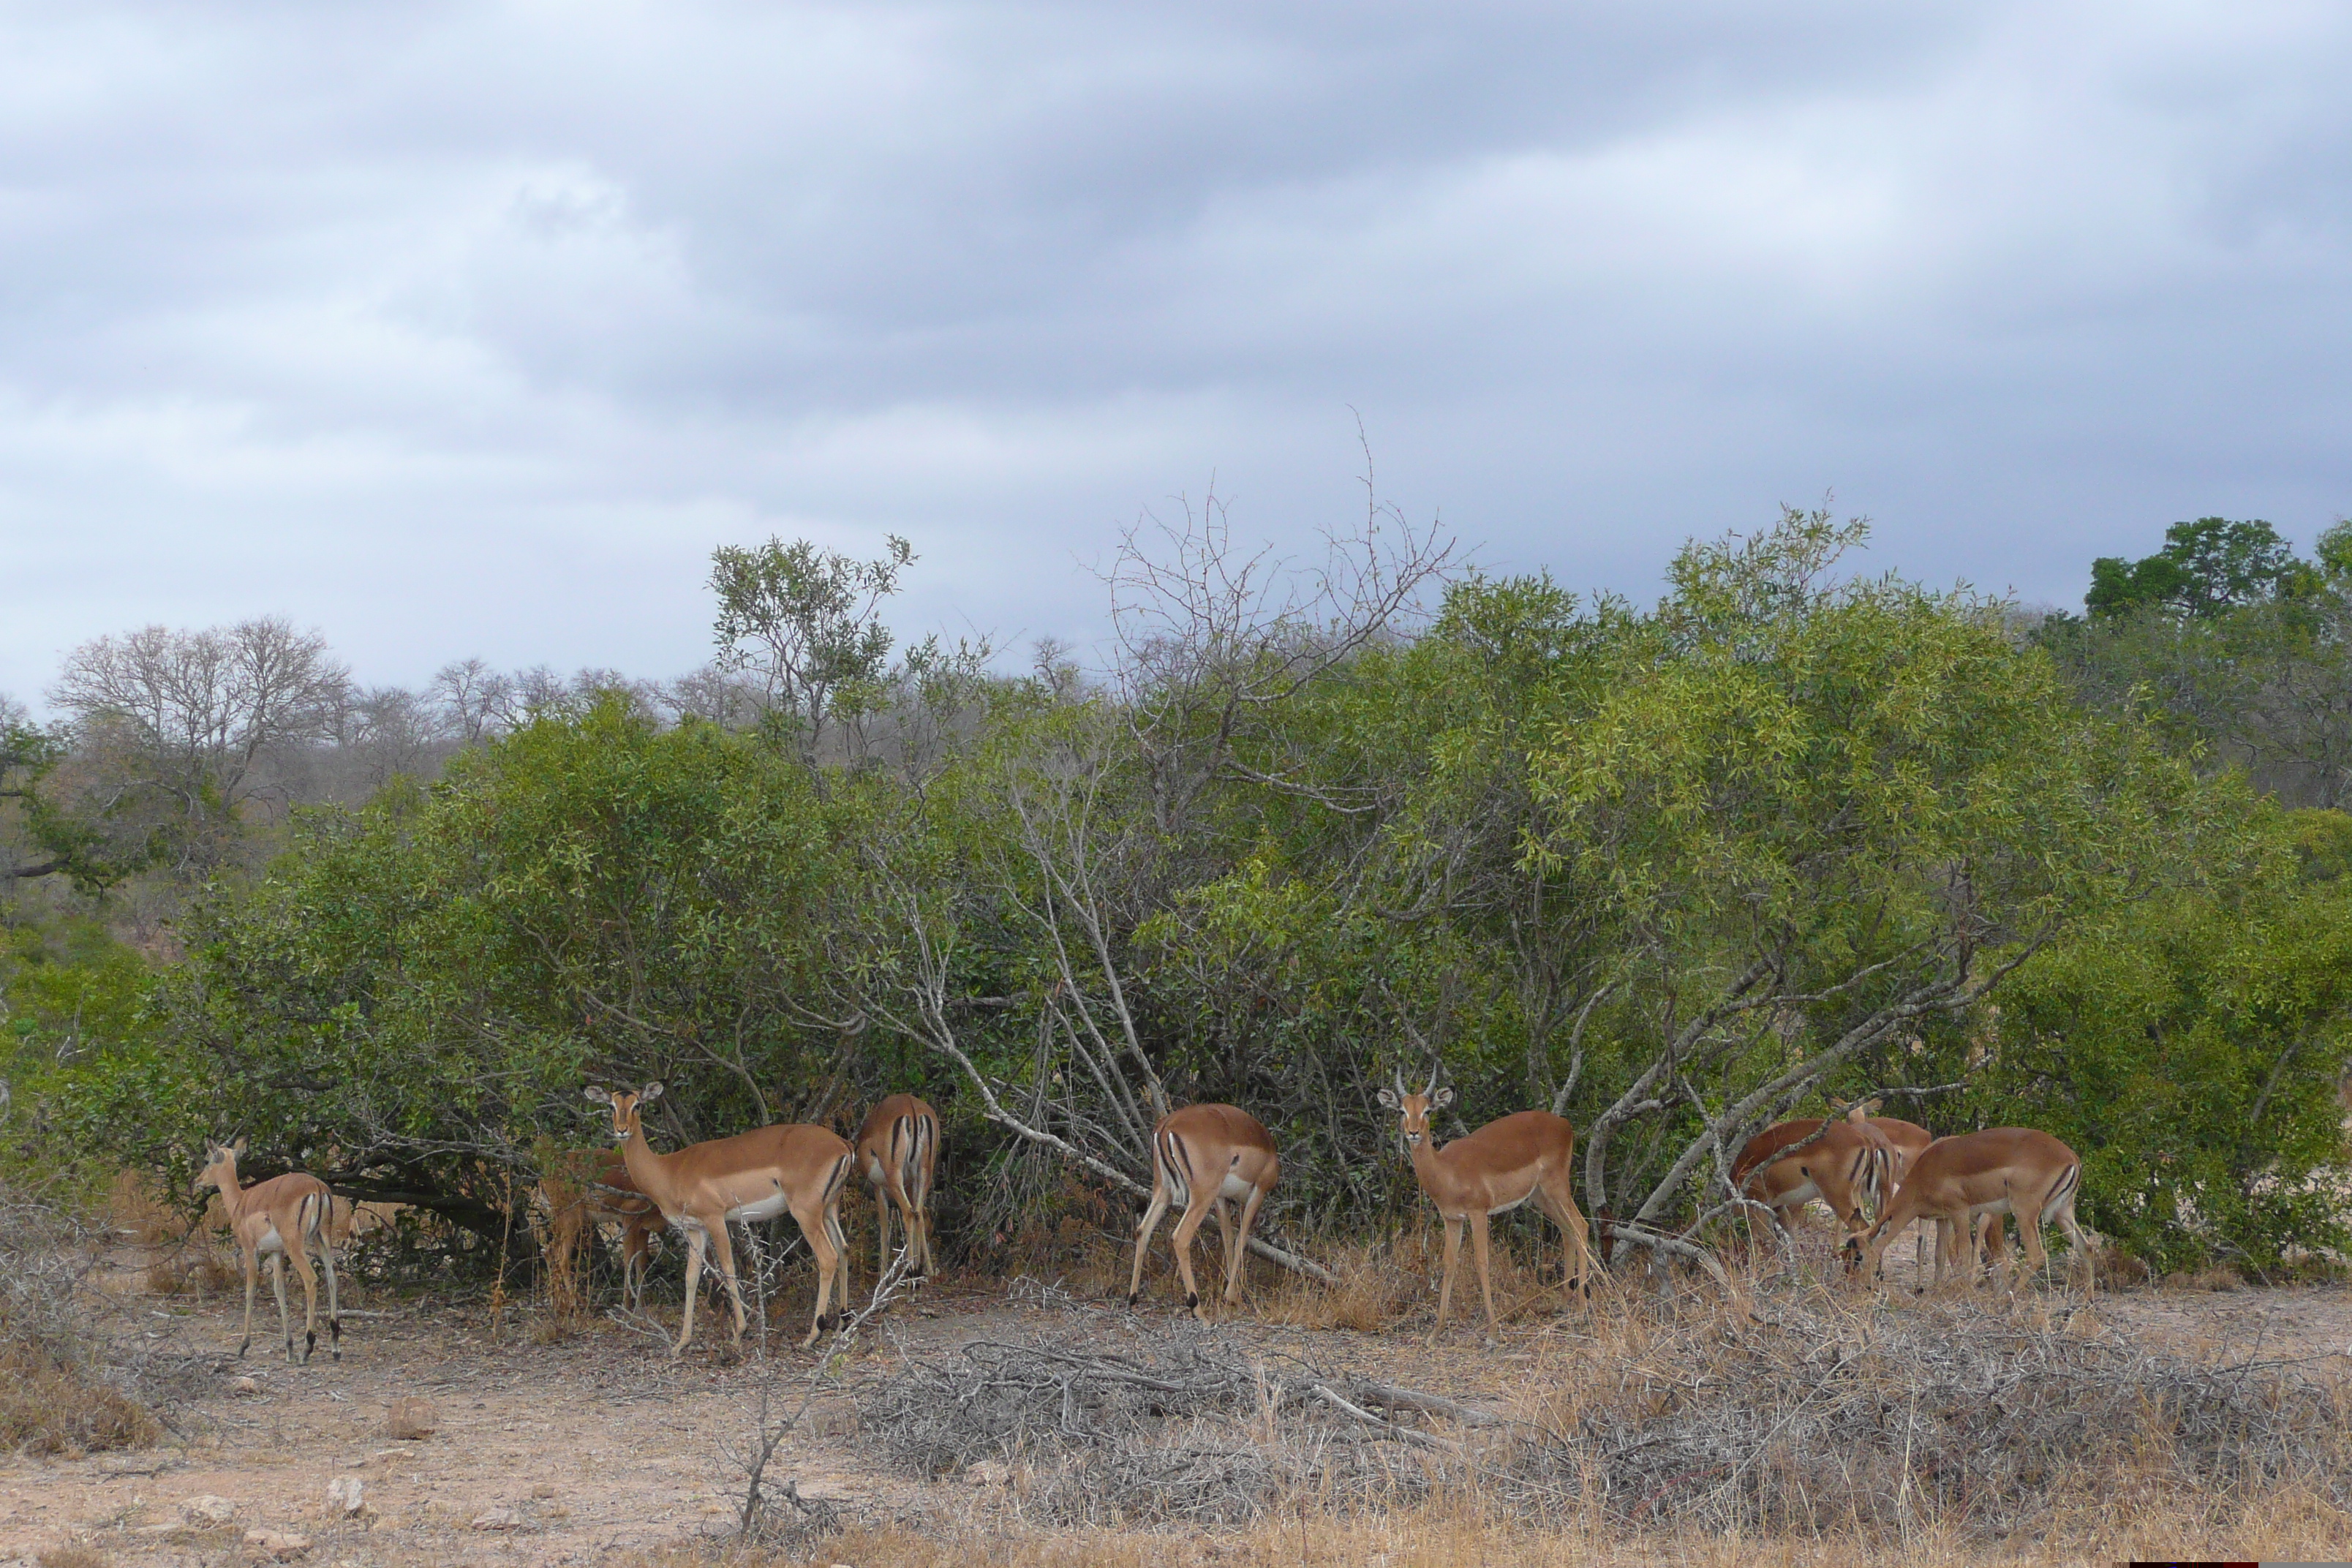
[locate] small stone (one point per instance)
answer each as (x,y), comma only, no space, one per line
(345,1495)
(276,1545)
(207,1509)
(987,1473)
(410,1419)
(497,1518)
(245,1387)
(542,1490)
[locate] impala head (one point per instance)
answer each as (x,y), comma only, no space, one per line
(625,1103)
(220,1165)
(1415,1107)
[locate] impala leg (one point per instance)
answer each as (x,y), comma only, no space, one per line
(252,1278)
(698,1236)
(881,1237)
(722,1252)
(1452,1256)
(299,1257)
(2082,1249)
(334,1308)
(1576,1242)
(1239,1250)
(277,1285)
(1224,1213)
(821,1229)
(2031,1255)
(1151,1217)
(921,1192)
(1186,1229)
(1479,1226)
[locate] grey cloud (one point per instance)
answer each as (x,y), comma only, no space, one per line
(472,329)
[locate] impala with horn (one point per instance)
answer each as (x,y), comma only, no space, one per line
(1206,1157)
(284,1217)
(752,1177)
(2002,1169)
(1525,1157)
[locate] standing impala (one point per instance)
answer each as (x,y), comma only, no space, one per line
(897,1151)
(285,1216)
(752,1177)
(1206,1157)
(2003,1170)
(1524,1157)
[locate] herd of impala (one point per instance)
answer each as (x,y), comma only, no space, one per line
(1877,1173)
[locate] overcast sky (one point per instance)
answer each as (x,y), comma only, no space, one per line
(458,330)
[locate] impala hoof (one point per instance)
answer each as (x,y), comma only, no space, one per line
(1192,1299)
(1132,1297)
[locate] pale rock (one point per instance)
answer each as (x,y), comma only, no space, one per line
(497,1518)
(345,1495)
(207,1509)
(245,1387)
(988,1473)
(276,1545)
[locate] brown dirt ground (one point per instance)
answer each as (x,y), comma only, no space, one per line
(598,1445)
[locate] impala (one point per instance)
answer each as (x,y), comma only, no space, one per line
(285,1216)
(1909,1141)
(752,1177)
(1206,1157)
(2003,1170)
(897,1149)
(580,1199)
(1520,1157)
(1845,1166)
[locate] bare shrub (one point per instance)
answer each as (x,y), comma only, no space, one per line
(1798,1413)
(77,1373)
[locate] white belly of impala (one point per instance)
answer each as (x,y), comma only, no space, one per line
(753,1212)
(1235,1188)
(270,1241)
(1514,1203)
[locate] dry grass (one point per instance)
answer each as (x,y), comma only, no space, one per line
(74,1557)
(1393,1280)
(1460,1531)
(48,1405)
(134,1207)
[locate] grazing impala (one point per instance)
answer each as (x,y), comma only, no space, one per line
(1909,1141)
(1846,1167)
(286,1218)
(752,1177)
(1206,1157)
(897,1149)
(2003,1170)
(1524,1157)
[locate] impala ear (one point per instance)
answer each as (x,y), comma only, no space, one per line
(1443,1098)
(1870,1107)
(1389,1100)
(651,1093)
(237,1147)
(598,1096)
